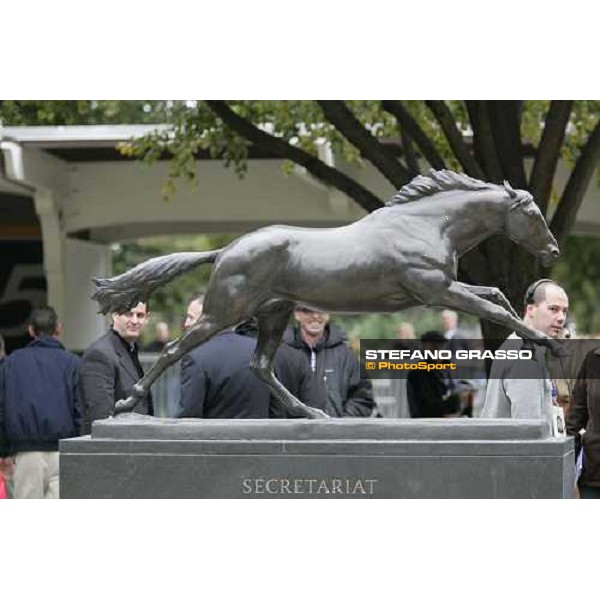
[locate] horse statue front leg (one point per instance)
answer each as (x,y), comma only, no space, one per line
(170,354)
(460,297)
(493,294)
(138,392)
(201,331)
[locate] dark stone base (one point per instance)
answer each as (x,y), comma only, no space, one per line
(143,457)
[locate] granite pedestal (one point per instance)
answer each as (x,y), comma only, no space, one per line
(143,457)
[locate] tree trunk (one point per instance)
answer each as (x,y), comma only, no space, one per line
(498,262)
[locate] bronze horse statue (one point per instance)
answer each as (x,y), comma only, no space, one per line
(402,255)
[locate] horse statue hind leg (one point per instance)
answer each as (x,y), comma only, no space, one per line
(272,321)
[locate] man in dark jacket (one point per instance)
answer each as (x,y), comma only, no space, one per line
(111,367)
(38,406)
(584,414)
(331,360)
(292,371)
(217,383)
(432,394)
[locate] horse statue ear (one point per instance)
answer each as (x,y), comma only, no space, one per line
(511,193)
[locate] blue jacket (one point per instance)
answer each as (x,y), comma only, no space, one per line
(38,397)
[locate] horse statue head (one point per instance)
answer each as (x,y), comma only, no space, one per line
(526,226)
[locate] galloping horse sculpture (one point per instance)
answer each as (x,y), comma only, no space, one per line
(402,255)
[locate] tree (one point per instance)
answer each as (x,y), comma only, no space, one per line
(579,271)
(489,140)
(82,112)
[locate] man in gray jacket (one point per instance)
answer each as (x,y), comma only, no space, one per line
(520,389)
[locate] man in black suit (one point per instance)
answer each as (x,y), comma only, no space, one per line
(110,367)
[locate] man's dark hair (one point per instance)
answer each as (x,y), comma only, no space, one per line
(43,321)
(433,337)
(536,292)
(146,303)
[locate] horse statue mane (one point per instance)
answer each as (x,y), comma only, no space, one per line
(445,181)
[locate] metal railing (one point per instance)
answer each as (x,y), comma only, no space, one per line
(389,394)
(166,390)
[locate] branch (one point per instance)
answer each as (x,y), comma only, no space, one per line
(409,151)
(505,123)
(405,119)
(483,140)
(445,118)
(281,148)
(382,158)
(548,151)
(565,214)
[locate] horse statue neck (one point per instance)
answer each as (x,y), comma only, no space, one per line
(473,219)
(470,218)
(464,218)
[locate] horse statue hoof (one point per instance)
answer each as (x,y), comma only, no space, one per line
(316,413)
(127,405)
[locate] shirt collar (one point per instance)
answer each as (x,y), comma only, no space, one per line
(130,346)
(46,341)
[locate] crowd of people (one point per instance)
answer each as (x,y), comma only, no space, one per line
(48,393)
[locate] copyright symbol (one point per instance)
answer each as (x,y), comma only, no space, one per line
(370,366)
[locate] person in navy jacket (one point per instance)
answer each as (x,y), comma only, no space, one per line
(38,406)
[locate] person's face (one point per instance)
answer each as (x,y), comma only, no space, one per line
(448,321)
(311,323)
(131,324)
(406,332)
(550,314)
(162,332)
(194,311)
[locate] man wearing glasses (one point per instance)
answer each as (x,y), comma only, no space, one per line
(331,360)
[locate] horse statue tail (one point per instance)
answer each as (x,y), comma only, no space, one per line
(121,293)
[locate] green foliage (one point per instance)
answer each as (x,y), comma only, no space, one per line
(82,112)
(532,117)
(579,272)
(301,123)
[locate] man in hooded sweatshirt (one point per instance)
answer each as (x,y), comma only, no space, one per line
(332,361)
